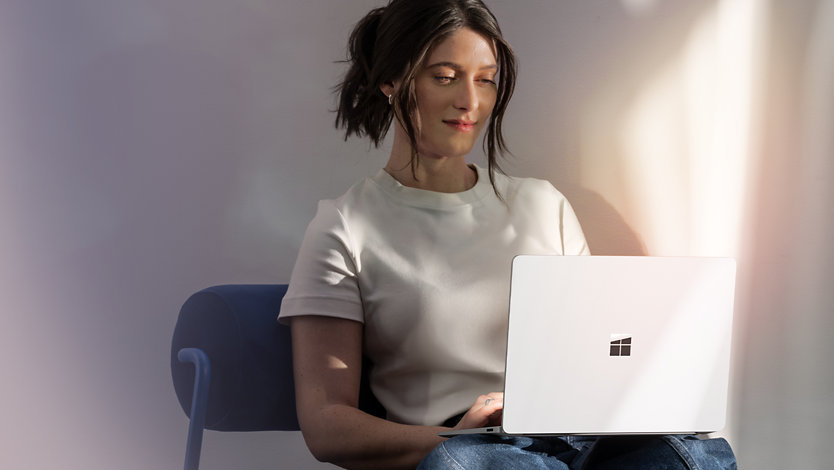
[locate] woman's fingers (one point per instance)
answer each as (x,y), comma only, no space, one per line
(486,411)
(490,398)
(492,408)
(494,400)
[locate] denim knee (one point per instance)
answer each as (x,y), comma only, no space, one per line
(704,454)
(470,452)
(659,452)
(476,452)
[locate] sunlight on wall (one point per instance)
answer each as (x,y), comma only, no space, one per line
(639,7)
(807,333)
(680,164)
(684,140)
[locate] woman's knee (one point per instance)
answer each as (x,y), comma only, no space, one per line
(704,454)
(672,452)
(470,452)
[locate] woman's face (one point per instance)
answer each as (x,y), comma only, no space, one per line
(456,92)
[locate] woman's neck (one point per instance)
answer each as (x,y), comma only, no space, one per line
(440,174)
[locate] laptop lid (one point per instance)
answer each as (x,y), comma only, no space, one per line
(618,345)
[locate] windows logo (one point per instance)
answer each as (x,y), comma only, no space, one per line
(620,345)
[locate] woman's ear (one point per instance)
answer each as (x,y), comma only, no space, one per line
(387,89)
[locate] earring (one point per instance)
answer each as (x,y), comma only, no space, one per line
(391,99)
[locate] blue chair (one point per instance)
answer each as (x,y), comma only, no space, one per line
(228,342)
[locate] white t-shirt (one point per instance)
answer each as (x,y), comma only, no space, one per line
(428,275)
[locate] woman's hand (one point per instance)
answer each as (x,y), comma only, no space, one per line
(486,411)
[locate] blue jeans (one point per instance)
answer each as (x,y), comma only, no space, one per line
(478,451)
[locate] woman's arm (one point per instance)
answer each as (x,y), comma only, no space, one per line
(327,361)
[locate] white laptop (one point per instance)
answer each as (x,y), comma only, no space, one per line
(617,345)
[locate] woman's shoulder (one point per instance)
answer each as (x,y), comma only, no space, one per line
(361,197)
(526,187)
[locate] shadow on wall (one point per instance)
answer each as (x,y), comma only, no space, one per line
(607,232)
(581,127)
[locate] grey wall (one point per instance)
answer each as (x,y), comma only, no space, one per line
(152,148)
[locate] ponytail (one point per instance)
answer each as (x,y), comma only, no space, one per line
(363,109)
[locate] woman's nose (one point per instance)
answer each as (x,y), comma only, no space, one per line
(467,96)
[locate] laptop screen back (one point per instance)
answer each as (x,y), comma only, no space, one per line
(618,345)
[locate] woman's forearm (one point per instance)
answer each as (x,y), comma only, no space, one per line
(345,436)
(327,364)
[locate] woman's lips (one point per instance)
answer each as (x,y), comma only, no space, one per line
(460,125)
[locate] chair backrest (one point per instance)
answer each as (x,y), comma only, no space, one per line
(251,386)
(251,381)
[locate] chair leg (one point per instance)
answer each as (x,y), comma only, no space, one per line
(199,403)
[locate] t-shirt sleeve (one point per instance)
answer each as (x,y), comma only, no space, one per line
(573,239)
(324,280)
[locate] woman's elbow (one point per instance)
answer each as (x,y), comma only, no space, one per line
(321,450)
(323,443)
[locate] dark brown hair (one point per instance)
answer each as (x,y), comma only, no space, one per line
(391,43)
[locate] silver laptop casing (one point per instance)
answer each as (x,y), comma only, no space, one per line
(567,311)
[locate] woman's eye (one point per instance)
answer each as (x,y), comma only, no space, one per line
(443,79)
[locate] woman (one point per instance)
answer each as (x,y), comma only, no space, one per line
(410,267)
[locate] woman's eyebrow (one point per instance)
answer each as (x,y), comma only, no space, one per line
(457,66)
